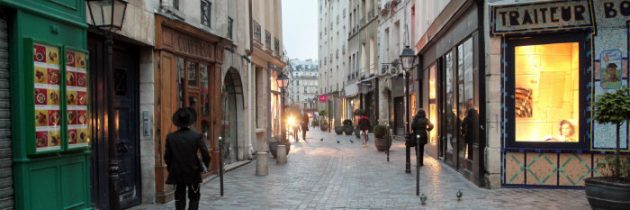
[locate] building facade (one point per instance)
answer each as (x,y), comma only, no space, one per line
(238,109)
(303,84)
(334,29)
(361,90)
(267,63)
(394,32)
(511,98)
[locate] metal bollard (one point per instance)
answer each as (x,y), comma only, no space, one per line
(221,164)
(418,165)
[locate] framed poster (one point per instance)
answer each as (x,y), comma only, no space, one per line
(47,98)
(77,99)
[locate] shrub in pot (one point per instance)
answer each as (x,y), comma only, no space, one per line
(273,146)
(323,125)
(347,127)
(338,130)
(612,190)
(315,123)
(382,139)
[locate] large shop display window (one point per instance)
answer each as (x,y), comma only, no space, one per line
(60,107)
(544,100)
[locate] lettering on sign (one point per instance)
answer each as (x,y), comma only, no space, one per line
(541,16)
(615,9)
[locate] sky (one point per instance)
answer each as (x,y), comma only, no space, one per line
(299,28)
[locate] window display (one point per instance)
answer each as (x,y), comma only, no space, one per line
(546,103)
(77,99)
(47,98)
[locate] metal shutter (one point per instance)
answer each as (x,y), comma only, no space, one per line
(6,180)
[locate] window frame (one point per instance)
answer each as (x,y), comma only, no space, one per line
(509,88)
(208,6)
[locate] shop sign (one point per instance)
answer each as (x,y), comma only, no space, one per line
(322,98)
(534,17)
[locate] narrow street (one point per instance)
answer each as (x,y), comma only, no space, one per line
(328,175)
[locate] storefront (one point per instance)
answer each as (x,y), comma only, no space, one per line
(50,119)
(555,60)
(188,74)
(6,178)
(450,89)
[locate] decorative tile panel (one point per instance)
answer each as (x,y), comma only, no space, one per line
(574,168)
(514,168)
(542,169)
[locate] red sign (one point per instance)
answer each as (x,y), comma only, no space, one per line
(322,98)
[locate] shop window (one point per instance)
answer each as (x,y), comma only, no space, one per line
(180,82)
(467,113)
(546,92)
(192,74)
(432,114)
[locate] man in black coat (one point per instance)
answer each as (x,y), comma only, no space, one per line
(183,164)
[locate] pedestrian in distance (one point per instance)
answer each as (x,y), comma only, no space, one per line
(364,126)
(304,124)
(182,160)
(421,126)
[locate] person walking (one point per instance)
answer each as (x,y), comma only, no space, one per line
(364,126)
(181,157)
(420,126)
(304,124)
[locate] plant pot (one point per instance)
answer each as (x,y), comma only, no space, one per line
(273,148)
(323,127)
(602,193)
(348,130)
(382,144)
(339,130)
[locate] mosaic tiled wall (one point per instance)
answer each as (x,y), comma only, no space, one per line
(550,169)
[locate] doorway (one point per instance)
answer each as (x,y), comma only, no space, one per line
(125,115)
(399,115)
(232,115)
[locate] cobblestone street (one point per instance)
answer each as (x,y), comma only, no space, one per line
(330,175)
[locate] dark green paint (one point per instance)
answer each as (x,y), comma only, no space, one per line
(57,180)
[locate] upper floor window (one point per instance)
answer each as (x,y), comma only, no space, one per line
(206,8)
(230,27)
(268,39)
(257,32)
(176,4)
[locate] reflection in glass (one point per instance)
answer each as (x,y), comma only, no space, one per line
(192,74)
(546,93)
(180,82)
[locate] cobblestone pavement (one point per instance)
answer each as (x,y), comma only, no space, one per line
(330,175)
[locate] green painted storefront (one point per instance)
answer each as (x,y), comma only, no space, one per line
(50,172)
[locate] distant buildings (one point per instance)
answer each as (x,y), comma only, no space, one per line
(303,84)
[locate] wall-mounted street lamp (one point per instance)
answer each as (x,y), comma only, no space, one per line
(283,81)
(109,16)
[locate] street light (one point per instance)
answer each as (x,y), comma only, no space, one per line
(108,16)
(283,82)
(407,59)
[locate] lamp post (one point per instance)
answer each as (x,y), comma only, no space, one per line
(108,16)
(283,82)
(407,59)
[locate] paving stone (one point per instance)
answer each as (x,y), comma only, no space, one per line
(327,175)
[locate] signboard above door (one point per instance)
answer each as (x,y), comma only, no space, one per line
(538,17)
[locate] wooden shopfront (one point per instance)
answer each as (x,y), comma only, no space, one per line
(188,74)
(557,59)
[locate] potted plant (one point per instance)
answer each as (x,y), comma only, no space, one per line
(612,190)
(347,127)
(323,124)
(382,140)
(338,130)
(315,123)
(273,146)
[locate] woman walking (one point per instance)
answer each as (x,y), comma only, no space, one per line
(421,126)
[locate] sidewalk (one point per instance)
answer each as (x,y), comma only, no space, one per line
(330,175)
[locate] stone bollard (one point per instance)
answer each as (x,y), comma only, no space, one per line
(261,164)
(281,154)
